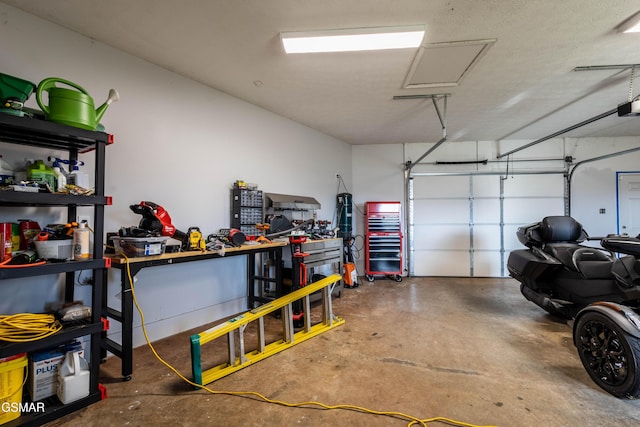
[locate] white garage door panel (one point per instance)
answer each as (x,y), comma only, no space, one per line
(486,186)
(485,265)
(434,237)
(486,237)
(440,186)
(463,227)
(486,210)
(525,211)
(534,186)
(441,263)
(441,211)
(506,258)
(511,241)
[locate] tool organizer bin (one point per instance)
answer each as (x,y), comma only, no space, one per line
(383,240)
(246,210)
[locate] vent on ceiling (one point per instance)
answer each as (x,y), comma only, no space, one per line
(445,64)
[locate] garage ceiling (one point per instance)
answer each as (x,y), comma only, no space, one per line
(509,64)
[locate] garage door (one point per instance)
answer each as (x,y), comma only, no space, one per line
(465,225)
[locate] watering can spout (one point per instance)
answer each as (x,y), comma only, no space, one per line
(113,96)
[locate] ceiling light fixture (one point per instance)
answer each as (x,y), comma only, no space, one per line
(631,25)
(355,39)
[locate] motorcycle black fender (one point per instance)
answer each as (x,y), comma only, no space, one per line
(623,316)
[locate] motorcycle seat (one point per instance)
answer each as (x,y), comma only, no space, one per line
(556,229)
(592,263)
(562,236)
(563,252)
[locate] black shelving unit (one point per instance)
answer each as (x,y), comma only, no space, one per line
(47,135)
(246,210)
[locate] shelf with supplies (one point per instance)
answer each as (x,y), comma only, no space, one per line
(44,135)
(19,198)
(54,268)
(70,330)
(41,133)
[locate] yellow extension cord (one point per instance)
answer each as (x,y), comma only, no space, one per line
(25,327)
(411,419)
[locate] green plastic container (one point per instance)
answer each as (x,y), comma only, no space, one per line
(40,172)
(13,94)
(14,89)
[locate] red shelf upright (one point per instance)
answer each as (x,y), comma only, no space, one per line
(383,240)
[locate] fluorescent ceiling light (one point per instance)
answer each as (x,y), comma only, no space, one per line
(631,25)
(353,39)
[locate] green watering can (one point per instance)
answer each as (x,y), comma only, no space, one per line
(72,107)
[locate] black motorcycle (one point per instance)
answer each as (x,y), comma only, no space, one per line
(597,287)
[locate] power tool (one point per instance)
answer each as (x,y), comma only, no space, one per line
(231,237)
(194,240)
(156,220)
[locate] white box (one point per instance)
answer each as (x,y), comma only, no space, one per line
(43,370)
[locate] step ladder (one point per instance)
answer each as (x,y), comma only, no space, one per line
(289,339)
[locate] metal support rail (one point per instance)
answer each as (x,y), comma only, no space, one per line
(289,339)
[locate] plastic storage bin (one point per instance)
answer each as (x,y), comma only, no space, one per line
(12,375)
(61,250)
(140,246)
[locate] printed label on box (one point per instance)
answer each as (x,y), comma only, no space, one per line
(43,370)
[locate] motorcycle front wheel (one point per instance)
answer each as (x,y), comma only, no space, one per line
(610,355)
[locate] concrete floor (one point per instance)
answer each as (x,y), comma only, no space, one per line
(472,350)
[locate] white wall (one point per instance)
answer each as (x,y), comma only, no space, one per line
(179,144)
(379,173)
(594,183)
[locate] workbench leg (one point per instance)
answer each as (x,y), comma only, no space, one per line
(127,325)
(279,266)
(251,283)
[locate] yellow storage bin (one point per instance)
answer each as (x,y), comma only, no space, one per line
(12,379)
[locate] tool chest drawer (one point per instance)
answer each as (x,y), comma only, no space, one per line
(384,223)
(320,252)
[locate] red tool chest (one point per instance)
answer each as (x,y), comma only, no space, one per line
(383,240)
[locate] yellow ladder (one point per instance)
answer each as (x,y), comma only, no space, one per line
(289,339)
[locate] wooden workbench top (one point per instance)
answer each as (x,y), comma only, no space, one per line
(119,259)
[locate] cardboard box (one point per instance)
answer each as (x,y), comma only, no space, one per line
(43,370)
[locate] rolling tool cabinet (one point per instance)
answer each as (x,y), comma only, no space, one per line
(320,253)
(383,240)
(44,136)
